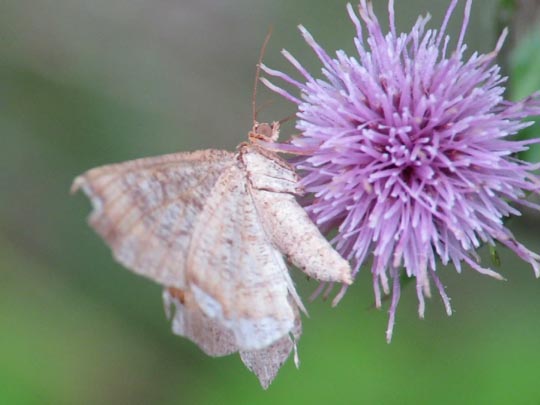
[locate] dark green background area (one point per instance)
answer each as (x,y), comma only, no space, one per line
(84,83)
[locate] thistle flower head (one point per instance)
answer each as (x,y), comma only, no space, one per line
(408,151)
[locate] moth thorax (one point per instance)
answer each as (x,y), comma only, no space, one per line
(264,131)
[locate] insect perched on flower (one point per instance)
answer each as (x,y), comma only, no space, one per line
(213,228)
(407,150)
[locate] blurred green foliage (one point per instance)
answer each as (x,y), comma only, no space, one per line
(88,83)
(525,78)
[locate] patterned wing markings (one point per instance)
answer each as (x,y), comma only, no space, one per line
(265,363)
(267,171)
(146,209)
(235,272)
(273,185)
(189,321)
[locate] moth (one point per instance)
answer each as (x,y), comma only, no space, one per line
(213,227)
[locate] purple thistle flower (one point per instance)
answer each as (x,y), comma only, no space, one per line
(408,150)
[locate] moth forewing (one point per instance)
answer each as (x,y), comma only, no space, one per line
(299,239)
(145,209)
(235,273)
(267,171)
(273,184)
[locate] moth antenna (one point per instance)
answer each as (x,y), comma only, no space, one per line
(290,117)
(258,74)
(263,106)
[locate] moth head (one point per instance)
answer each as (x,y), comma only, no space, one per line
(264,132)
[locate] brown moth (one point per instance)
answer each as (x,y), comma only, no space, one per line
(213,228)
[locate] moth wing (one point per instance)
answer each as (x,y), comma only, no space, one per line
(237,276)
(265,363)
(145,209)
(267,171)
(297,237)
(189,321)
(274,184)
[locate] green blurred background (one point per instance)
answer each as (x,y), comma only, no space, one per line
(84,83)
